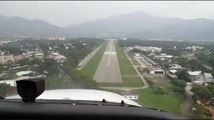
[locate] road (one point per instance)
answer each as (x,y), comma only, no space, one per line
(186,107)
(149,60)
(87,58)
(108,69)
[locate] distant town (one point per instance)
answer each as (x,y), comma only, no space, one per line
(174,76)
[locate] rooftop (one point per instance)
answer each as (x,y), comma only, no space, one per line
(193,73)
(21,73)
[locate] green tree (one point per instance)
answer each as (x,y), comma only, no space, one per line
(183,75)
(201,92)
(195,64)
(3,89)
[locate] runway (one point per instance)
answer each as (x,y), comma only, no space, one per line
(108,69)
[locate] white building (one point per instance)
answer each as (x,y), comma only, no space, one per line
(175,67)
(153,70)
(194,75)
(24,73)
(208,78)
(39,55)
(123,38)
(10,82)
(148,49)
(137,55)
(194,48)
(56,38)
(163,56)
(28,54)
(58,57)
(172,71)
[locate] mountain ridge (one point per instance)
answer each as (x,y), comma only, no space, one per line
(136,25)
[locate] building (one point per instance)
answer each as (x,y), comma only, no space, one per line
(194,75)
(200,80)
(58,57)
(148,49)
(137,55)
(39,55)
(132,95)
(10,82)
(175,67)
(18,58)
(25,73)
(6,59)
(123,38)
(194,48)
(154,70)
(163,57)
(28,54)
(57,38)
(173,71)
(208,78)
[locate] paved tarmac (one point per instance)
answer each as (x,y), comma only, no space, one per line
(108,69)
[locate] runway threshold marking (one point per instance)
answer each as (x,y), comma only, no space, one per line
(109,54)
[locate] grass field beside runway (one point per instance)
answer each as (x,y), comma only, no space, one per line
(128,73)
(90,68)
(169,103)
(126,67)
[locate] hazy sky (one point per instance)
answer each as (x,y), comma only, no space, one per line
(71,12)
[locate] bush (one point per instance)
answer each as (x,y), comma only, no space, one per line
(158,90)
(183,75)
(178,90)
(150,82)
(3,89)
(201,92)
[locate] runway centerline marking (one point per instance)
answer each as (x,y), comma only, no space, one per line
(109,56)
(108,69)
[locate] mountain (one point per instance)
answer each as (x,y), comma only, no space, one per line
(196,29)
(134,25)
(122,25)
(19,26)
(143,25)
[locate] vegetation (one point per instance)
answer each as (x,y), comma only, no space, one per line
(161,84)
(155,43)
(11,48)
(183,75)
(169,103)
(135,62)
(3,89)
(90,68)
(172,51)
(200,112)
(178,85)
(125,66)
(203,92)
(54,79)
(58,75)
(81,81)
(128,73)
